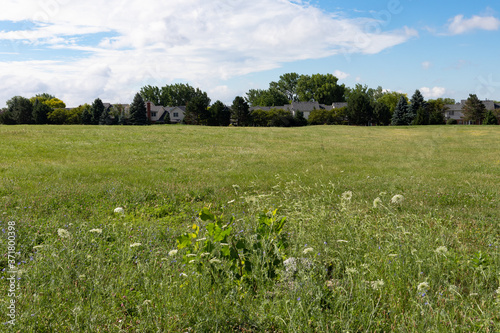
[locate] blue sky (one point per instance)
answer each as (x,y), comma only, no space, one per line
(70,49)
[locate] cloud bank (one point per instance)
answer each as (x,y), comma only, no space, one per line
(117,46)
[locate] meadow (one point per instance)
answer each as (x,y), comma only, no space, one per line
(313,229)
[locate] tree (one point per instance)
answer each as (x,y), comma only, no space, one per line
(152,94)
(40,112)
(269,97)
(220,115)
(417,106)
(437,109)
(320,88)
(390,99)
(474,110)
(490,118)
(6,117)
(197,110)
(287,85)
(299,119)
(138,112)
(55,103)
(240,111)
(400,115)
(381,114)
(106,118)
(20,109)
(359,106)
(96,111)
(86,118)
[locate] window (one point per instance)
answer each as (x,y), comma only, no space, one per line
(451,113)
(176,114)
(153,114)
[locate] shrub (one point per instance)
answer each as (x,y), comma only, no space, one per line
(451,122)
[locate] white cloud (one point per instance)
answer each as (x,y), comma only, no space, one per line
(460,25)
(158,42)
(341,75)
(432,93)
(426,65)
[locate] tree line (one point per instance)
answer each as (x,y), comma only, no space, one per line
(364,106)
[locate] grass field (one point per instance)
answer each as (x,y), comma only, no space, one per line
(363,261)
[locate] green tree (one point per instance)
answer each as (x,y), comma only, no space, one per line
(96,111)
(359,106)
(321,88)
(390,99)
(20,109)
(240,111)
(418,113)
(381,114)
(220,115)
(287,85)
(106,117)
(474,110)
(40,112)
(400,115)
(152,94)
(490,118)
(269,97)
(197,112)
(86,118)
(6,117)
(138,112)
(299,119)
(55,103)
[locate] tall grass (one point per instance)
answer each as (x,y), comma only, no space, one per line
(364,262)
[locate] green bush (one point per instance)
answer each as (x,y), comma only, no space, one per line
(451,122)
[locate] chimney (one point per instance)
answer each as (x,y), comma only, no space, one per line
(148,109)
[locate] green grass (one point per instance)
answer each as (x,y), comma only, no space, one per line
(72,178)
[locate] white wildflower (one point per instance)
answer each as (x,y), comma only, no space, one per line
(82,277)
(63,233)
(119,210)
(342,241)
(135,245)
(441,250)
(351,270)
(231,201)
(172,253)
(215,261)
(205,254)
(309,249)
(393,255)
(377,202)
(422,286)
(347,195)
(183,274)
(498,291)
(376,285)
(146,302)
(397,199)
(191,255)
(97,231)
(201,239)
(38,247)
(192,262)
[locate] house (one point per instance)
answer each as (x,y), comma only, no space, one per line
(455,111)
(158,113)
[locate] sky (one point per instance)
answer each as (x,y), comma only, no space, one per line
(109,49)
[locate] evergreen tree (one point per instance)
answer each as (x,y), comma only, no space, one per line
(417,105)
(138,112)
(105,118)
(97,110)
(400,115)
(40,112)
(359,106)
(474,110)
(20,109)
(423,116)
(240,111)
(490,118)
(382,114)
(299,119)
(87,116)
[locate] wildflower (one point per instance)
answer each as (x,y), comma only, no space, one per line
(342,241)
(172,253)
(97,231)
(63,233)
(397,199)
(191,255)
(119,210)
(146,302)
(351,270)
(422,286)
(498,291)
(135,244)
(205,254)
(309,249)
(38,247)
(201,239)
(347,195)
(441,250)
(376,285)
(377,202)
(81,277)
(214,261)
(183,274)
(192,262)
